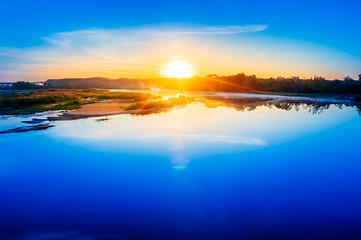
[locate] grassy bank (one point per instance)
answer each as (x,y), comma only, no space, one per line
(54,99)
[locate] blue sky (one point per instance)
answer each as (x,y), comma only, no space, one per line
(333,25)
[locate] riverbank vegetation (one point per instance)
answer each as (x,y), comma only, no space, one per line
(55,99)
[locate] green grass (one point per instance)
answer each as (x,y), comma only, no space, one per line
(51,100)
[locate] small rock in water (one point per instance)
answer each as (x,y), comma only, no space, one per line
(35,121)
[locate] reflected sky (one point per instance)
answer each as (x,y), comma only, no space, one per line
(197,131)
(188,173)
(192,132)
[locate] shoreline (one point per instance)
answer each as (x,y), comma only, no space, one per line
(97,103)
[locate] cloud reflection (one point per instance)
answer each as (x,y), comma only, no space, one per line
(225,139)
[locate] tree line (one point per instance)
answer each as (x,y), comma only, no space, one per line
(247,83)
(232,83)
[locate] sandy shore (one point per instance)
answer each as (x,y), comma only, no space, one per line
(95,110)
(100,109)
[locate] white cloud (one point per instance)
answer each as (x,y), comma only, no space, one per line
(128,35)
(135,37)
(222,30)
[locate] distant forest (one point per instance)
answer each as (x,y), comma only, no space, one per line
(95,82)
(231,83)
(250,83)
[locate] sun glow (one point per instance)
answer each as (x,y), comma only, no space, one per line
(178,69)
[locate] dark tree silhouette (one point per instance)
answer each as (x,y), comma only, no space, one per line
(348,78)
(21,85)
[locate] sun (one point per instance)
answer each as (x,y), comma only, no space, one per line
(178,69)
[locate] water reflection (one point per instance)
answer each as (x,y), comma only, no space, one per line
(249,102)
(201,129)
(202,171)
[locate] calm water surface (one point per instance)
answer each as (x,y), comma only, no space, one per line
(191,173)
